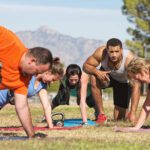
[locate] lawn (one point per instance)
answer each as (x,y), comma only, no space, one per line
(85,138)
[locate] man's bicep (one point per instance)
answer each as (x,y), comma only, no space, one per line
(92,61)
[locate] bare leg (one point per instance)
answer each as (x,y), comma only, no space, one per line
(97,95)
(120,113)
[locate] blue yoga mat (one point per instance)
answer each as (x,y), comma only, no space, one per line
(77,122)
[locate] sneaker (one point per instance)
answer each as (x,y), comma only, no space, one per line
(101,119)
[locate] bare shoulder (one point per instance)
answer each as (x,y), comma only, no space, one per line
(99,52)
(84,76)
(130,56)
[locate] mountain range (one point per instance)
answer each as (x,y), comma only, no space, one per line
(67,48)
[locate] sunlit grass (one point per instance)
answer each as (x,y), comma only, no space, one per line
(92,138)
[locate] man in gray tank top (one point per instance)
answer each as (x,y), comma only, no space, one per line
(113,61)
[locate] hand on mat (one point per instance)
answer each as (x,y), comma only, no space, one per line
(132,118)
(128,129)
(84,124)
(39,135)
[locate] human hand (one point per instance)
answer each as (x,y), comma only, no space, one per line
(103,75)
(132,117)
(128,129)
(84,124)
(39,135)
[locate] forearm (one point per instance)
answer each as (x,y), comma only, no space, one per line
(25,118)
(46,107)
(144,112)
(83,112)
(48,117)
(141,119)
(135,97)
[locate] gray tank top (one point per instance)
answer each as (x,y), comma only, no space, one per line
(118,75)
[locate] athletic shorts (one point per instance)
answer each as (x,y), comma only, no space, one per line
(90,101)
(121,92)
(149,86)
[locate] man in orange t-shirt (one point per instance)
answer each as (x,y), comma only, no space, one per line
(18,65)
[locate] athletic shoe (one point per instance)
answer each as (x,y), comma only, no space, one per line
(101,119)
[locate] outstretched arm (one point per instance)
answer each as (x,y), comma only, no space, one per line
(46,106)
(144,112)
(135,96)
(84,83)
(23,112)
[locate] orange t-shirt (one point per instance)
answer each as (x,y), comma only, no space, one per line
(11,51)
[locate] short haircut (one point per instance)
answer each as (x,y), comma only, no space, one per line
(73,69)
(43,55)
(114,42)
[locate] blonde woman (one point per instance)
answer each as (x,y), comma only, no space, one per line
(139,70)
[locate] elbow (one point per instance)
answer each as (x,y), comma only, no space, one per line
(85,68)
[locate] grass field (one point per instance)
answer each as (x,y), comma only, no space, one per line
(85,138)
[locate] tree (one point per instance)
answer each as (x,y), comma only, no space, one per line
(138,12)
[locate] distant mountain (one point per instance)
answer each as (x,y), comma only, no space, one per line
(69,49)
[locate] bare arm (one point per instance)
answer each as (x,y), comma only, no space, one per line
(46,106)
(84,83)
(92,62)
(23,112)
(135,97)
(144,112)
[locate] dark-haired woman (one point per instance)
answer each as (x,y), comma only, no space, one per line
(75,83)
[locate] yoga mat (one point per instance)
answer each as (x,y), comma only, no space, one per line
(119,129)
(69,124)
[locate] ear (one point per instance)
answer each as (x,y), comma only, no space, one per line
(32,60)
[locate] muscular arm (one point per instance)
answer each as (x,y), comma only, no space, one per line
(46,106)
(93,61)
(84,83)
(23,113)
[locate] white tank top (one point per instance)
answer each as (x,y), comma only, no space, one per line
(120,74)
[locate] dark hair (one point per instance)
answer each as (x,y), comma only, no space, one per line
(73,69)
(57,67)
(114,42)
(43,55)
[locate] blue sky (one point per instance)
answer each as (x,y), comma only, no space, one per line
(96,19)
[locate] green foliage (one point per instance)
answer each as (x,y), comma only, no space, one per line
(138,13)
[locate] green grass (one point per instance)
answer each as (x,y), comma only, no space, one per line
(86,138)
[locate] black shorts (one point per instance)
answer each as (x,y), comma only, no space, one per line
(90,101)
(121,92)
(149,86)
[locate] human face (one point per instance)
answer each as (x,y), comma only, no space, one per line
(48,77)
(142,77)
(73,79)
(32,68)
(114,53)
